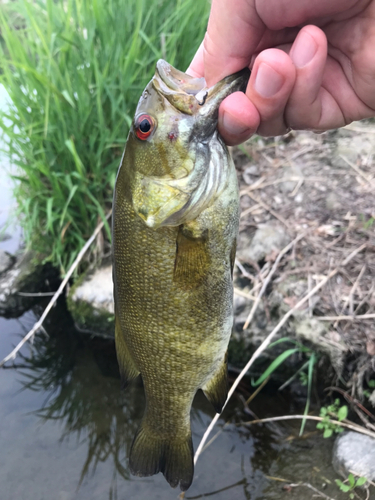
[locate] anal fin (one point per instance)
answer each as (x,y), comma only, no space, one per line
(216,390)
(128,369)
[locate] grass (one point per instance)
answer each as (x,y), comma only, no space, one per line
(74,71)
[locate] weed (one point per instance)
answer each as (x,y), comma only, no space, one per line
(306,377)
(367,392)
(352,484)
(74,71)
(334,410)
(368,224)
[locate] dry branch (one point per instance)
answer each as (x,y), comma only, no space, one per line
(311,487)
(269,209)
(51,303)
(345,318)
(351,425)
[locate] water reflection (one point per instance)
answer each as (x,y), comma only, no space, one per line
(72,420)
(81,381)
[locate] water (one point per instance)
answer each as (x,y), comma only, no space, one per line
(10,232)
(66,428)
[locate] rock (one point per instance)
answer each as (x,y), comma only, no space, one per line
(316,333)
(90,302)
(6,261)
(354,452)
(27,275)
(333,202)
(249,172)
(351,148)
(296,173)
(267,238)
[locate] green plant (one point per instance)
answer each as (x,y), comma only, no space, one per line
(336,411)
(306,377)
(74,72)
(368,224)
(371,385)
(352,484)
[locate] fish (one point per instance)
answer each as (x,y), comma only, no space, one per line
(174,229)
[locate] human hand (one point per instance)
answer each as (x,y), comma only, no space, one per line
(314,66)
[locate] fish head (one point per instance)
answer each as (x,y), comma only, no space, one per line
(167,151)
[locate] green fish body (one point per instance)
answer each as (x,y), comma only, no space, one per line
(175,223)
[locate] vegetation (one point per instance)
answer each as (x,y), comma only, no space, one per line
(74,71)
(335,411)
(352,484)
(306,377)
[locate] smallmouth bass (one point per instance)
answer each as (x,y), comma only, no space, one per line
(175,224)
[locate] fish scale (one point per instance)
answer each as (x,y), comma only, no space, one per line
(174,238)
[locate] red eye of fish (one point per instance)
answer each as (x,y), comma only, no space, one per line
(144,126)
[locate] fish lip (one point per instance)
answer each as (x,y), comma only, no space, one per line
(177,80)
(237,82)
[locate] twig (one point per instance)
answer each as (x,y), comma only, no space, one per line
(345,318)
(358,170)
(352,291)
(241,293)
(36,294)
(51,303)
(267,342)
(243,271)
(267,280)
(352,426)
(257,391)
(296,189)
(311,305)
(249,210)
(269,209)
(352,400)
(311,487)
(366,298)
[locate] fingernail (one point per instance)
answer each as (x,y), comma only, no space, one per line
(304,50)
(268,81)
(233,127)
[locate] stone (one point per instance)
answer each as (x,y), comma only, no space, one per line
(90,301)
(333,202)
(6,261)
(316,332)
(294,172)
(267,238)
(354,452)
(27,275)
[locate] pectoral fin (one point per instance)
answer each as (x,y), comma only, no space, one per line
(192,258)
(216,390)
(128,369)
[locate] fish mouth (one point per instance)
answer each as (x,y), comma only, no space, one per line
(191,95)
(177,80)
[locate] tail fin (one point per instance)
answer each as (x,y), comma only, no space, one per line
(151,454)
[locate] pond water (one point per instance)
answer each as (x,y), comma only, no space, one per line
(10,232)
(66,428)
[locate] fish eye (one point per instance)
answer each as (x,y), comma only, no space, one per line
(144,125)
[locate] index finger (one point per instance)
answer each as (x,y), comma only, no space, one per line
(236,27)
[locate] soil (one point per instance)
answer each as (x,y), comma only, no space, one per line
(319,188)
